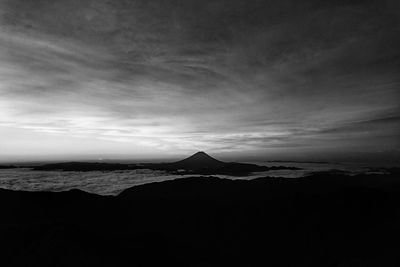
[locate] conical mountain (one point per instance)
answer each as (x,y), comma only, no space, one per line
(199,160)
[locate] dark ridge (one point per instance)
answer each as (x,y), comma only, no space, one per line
(199,163)
(85,166)
(8,167)
(322,220)
(296,161)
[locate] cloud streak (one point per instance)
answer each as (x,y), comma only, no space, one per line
(260,76)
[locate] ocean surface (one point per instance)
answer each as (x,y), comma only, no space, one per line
(113,182)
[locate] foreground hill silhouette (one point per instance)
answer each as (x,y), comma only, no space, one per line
(198,163)
(321,220)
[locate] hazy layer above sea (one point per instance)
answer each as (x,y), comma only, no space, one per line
(113,182)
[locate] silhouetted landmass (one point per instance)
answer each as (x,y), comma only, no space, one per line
(199,163)
(296,161)
(332,172)
(198,160)
(321,220)
(85,166)
(7,167)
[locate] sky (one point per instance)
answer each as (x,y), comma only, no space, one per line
(281,79)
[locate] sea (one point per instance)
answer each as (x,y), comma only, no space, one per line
(114,182)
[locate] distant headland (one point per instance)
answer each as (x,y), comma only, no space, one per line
(198,163)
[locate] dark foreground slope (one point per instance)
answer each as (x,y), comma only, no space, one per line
(322,220)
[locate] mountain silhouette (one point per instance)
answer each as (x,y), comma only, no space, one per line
(199,160)
(198,163)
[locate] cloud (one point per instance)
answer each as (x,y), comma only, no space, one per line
(256,76)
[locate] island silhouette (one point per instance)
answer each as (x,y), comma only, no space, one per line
(198,163)
(199,160)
